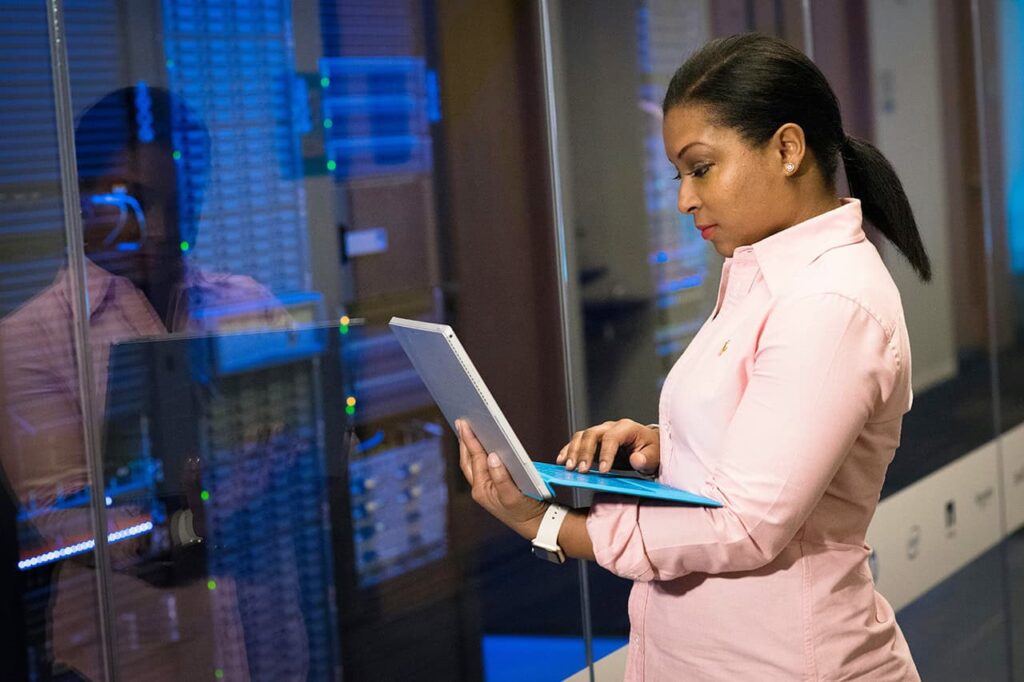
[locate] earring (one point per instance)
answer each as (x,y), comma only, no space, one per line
(790,167)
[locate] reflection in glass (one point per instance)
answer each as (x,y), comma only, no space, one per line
(45,511)
(256,166)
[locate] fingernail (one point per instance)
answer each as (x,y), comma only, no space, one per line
(584,467)
(569,464)
(493,461)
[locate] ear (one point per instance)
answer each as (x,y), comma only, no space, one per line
(789,146)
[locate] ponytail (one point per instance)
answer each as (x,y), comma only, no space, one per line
(873,180)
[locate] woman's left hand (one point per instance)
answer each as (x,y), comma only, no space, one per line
(493,487)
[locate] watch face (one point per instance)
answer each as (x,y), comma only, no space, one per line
(555,556)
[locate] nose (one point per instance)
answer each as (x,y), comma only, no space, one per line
(688,202)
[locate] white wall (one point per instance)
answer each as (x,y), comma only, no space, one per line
(904,50)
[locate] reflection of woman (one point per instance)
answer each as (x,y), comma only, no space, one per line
(167,624)
(786,406)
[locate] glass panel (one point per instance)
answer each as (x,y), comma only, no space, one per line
(263,186)
(937,532)
(1006,20)
(904,74)
(646,279)
(49,587)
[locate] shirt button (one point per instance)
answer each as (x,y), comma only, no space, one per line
(636,640)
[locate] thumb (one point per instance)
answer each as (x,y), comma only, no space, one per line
(508,492)
(644,461)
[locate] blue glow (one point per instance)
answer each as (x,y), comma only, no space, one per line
(371,442)
(143,112)
(140,481)
(509,658)
(680,284)
(79,548)
(1011,26)
(125,204)
(433,97)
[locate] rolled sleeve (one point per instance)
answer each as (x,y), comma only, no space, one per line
(824,366)
(615,532)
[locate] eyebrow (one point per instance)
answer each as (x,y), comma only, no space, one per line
(687,146)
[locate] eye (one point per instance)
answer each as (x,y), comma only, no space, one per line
(701,170)
(677,176)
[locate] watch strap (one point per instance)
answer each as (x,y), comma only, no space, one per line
(547,534)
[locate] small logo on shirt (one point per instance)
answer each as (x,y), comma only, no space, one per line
(725,347)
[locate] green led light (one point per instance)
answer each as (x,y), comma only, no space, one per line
(185,246)
(218,673)
(176,155)
(324,82)
(344,329)
(211,585)
(349,410)
(328,123)
(205,495)
(331,165)
(170,63)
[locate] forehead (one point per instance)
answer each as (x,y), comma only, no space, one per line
(684,125)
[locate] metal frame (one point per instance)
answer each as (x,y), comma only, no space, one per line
(74,241)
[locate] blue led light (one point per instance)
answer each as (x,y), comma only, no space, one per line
(371,442)
(433,97)
(79,548)
(143,112)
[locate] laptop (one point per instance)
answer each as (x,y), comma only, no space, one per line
(460,392)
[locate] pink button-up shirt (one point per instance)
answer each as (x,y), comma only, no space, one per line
(787,408)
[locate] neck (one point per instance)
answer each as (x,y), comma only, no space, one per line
(811,204)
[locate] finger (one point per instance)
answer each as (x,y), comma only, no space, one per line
(588,446)
(464,465)
(507,490)
(467,470)
(570,450)
(638,461)
(478,461)
(562,454)
(476,455)
(644,461)
(610,444)
(622,434)
(471,441)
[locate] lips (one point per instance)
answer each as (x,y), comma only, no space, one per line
(706,231)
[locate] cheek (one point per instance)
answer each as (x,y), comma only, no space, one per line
(744,195)
(727,196)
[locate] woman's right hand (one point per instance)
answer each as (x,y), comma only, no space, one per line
(604,440)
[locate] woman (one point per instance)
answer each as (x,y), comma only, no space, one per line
(786,406)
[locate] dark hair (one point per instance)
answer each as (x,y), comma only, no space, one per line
(755,83)
(140,114)
(134,115)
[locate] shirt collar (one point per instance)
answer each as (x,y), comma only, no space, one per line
(99,284)
(782,255)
